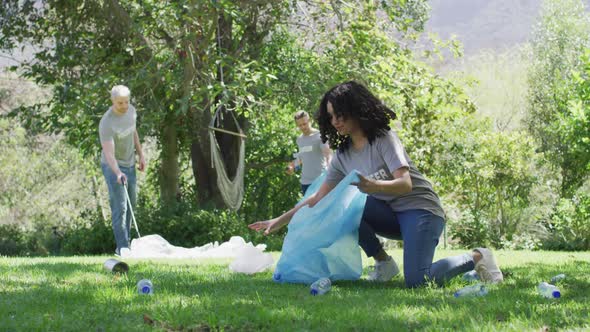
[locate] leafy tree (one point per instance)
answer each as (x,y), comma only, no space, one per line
(568,224)
(182,60)
(489,176)
(171,54)
(558,44)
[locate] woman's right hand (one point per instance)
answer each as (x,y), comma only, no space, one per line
(268,226)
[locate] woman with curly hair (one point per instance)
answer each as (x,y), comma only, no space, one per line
(401,203)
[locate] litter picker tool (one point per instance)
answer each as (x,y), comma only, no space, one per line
(130,208)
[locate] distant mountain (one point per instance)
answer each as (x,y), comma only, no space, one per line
(485,24)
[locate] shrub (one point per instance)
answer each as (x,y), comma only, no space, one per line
(91,235)
(569,226)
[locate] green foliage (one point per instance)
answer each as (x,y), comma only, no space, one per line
(488,177)
(188,225)
(407,14)
(573,125)
(12,240)
(568,227)
(558,44)
(42,240)
(93,236)
(172,58)
(37,179)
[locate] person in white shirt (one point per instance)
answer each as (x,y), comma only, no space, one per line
(120,142)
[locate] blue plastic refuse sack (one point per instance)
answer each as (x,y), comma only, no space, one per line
(322,242)
(314,186)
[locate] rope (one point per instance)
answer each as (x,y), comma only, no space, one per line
(232,190)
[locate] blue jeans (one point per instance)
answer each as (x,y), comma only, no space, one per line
(304,188)
(120,214)
(420,231)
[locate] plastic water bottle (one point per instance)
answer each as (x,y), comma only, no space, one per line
(320,286)
(549,291)
(471,276)
(144,286)
(473,290)
(558,278)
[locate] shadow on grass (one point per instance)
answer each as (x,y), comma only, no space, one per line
(193,295)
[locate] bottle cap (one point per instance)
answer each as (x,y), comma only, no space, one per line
(556,294)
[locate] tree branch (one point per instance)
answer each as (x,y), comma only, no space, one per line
(122,26)
(265,164)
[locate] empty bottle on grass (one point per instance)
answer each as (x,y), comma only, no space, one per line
(145,286)
(473,290)
(471,276)
(557,278)
(320,286)
(549,291)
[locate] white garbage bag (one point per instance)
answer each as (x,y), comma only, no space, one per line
(248,258)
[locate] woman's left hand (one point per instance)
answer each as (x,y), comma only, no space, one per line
(366,185)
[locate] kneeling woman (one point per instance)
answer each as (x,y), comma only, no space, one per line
(401,203)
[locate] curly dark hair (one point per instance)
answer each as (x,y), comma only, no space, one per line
(352,100)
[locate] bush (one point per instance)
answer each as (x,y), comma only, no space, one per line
(187,225)
(19,241)
(90,236)
(569,226)
(12,240)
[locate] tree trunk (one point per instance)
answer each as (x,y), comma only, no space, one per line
(169,169)
(121,27)
(205,174)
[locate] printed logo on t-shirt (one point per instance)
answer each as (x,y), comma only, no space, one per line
(124,133)
(305,149)
(381,174)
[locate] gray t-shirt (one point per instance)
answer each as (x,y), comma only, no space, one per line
(378,161)
(119,129)
(311,156)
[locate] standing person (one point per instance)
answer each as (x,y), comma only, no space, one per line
(120,142)
(401,203)
(314,156)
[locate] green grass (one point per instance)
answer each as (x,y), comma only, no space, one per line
(76,294)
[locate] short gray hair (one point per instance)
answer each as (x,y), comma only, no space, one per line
(120,91)
(300,115)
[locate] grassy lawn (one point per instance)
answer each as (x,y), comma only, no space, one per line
(76,294)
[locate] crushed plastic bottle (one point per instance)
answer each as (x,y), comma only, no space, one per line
(478,289)
(471,276)
(558,278)
(320,286)
(144,286)
(549,291)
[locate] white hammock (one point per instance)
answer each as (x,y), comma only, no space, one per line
(232,191)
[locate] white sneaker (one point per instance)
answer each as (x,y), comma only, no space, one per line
(384,270)
(125,252)
(487,268)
